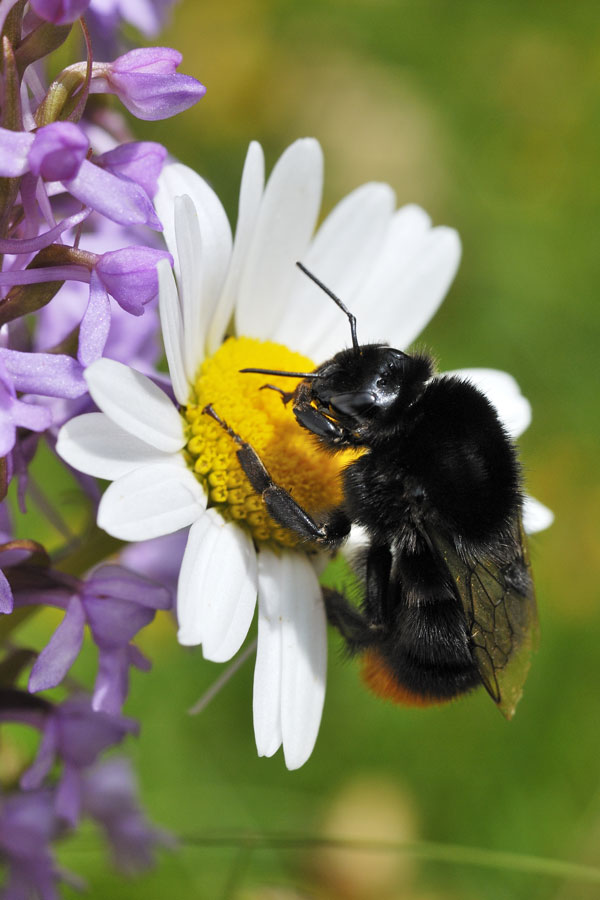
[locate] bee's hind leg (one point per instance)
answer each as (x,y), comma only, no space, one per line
(358,632)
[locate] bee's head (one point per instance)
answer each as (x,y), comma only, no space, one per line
(361,392)
(365,392)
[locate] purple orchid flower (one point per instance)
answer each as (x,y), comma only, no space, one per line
(42,379)
(76,734)
(119,199)
(95,325)
(35,375)
(27,826)
(130,340)
(57,153)
(109,796)
(106,17)
(16,413)
(27,246)
(147,15)
(48,374)
(60,12)
(139,161)
(19,459)
(160,558)
(14,152)
(115,604)
(129,275)
(146,82)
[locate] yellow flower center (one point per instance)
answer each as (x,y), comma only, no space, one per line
(288,451)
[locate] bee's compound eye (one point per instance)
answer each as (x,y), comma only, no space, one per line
(352,403)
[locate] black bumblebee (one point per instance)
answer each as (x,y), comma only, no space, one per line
(448,598)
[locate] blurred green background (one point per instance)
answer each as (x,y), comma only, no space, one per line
(487,114)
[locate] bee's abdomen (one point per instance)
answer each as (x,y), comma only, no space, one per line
(426,658)
(416,684)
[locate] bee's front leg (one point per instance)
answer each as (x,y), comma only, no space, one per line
(318,423)
(279,503)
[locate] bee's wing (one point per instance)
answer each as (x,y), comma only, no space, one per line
(499,603)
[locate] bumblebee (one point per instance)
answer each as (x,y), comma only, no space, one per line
(448,601)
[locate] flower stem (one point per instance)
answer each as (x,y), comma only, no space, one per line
(436,852)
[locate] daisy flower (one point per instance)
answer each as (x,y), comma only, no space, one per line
(237,303)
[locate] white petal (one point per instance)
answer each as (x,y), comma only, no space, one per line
(150,501)
(304,661)
(408,281)
(93,444)
(172,329)
(536,516)
(201,539)
(282,233)
(169,187)
(251,191)
(176,180)
(266,702)
(216,593)
(135,403)
(408,287)
(198,236)
(503,391)
(406,230)
(228,587)
(194,294)
(341,256)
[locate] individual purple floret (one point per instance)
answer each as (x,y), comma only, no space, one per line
(36,376)
(48,374)
(57,151)
(105,19)
(147,15)
(115,604)
(60,12)
(28,824)
(139,161)
(75,734)
(129,275)
(160,558)
(110,797)
(147,83)
(14,152)
(15,413)
(95,324)
(132,340)
(119,199)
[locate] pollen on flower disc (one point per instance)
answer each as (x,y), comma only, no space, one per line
(288,451)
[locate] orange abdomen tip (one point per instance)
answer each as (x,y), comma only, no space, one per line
(381,680)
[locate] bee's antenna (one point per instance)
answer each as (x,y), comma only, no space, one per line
(279,372)
(351,318)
